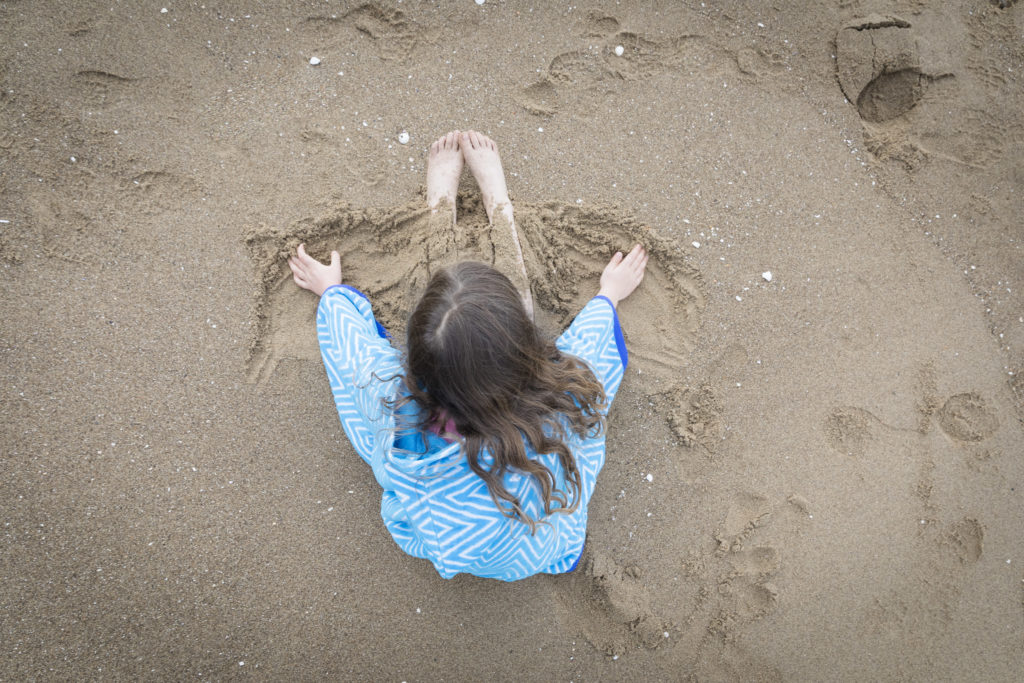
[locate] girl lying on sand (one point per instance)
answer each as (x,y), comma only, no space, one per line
(486,437)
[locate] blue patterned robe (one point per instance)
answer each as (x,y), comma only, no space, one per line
(433,504)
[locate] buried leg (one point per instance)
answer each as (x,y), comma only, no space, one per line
(481,154)
(444,167)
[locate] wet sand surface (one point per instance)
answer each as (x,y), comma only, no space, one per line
(812,475)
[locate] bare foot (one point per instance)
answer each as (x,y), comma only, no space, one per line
(481,154)
(444,167)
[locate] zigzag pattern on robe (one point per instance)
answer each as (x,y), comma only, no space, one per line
(433,504)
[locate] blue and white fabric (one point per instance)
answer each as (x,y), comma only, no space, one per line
(433,504)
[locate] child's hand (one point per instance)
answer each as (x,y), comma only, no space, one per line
(311,274)
(623,274)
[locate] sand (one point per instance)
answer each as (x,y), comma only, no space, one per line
(816,477)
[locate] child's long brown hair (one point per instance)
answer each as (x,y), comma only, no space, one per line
(474,356)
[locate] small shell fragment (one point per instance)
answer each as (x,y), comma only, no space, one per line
(696,245)
(314,60)
(480,2)
(767,275)
(403,138)
(649,477)
(619,50)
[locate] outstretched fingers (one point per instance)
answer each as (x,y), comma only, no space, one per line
(299,266)
(636,260)
(623,274)
(310,274)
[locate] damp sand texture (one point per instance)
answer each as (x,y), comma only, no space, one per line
(814,473)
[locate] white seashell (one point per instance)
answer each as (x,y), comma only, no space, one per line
(696,245)
(767,275)
(480,2)
(619,50)
(739,298)
(163,10)
(649,477)
(314,60)
(403,138)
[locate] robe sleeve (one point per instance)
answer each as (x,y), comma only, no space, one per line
(595,337)
(364,371)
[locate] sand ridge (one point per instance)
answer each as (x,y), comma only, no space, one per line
(389,254)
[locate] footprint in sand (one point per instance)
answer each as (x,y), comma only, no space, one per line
(390,253)
(391,33)
(693,417)
(748,512)
(577,79)
(898,460)
(741,590)
(744,601)
(908,95)
(925,603)
(599,25)
(759,62)
(161,190)
(848,429)
(610,606)
(878,66)
(609,603)
(968,417)
(758,561)
(100,89)
(67,229)
(965,539)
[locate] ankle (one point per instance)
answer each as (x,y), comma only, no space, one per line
(499,207)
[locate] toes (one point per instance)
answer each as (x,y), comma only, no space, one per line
(474,140)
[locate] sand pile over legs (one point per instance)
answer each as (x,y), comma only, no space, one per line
(389,254)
